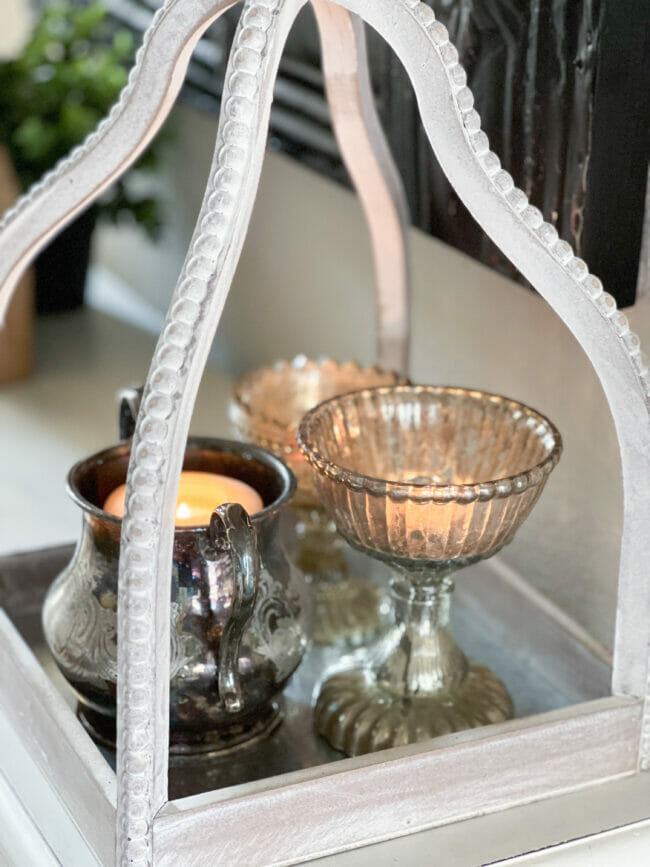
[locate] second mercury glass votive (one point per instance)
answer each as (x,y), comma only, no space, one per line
(266,408)
(428,479)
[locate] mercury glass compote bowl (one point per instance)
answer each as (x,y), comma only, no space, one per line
(429,479)
(266,408)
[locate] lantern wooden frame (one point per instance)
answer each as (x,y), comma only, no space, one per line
(474,770)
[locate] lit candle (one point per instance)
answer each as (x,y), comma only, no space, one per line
(198,496)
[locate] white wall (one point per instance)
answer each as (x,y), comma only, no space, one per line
(306,252)
(305,285)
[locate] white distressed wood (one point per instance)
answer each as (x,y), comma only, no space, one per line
(368,159)
(454,130)
(164,418)
(303,816)
(144,105)
(21,842)
(43,804)
(77,777)
(107,153)
(585,813)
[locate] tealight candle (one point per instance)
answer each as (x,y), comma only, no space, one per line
(199,494)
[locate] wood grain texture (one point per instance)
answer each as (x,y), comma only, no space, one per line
(374,798)
(621,803)
(82,783)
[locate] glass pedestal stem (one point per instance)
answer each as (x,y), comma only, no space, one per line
(419,684)
(348,607)
(320,548)
(424,659)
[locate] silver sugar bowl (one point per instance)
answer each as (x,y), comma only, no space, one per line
(237,608)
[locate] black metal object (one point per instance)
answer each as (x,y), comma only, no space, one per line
(561,86)
(62,267)
(620,152)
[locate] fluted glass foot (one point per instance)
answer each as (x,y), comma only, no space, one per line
(419,684)
(357,715)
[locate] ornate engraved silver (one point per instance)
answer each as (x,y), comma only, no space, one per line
(80,620)
(236,611)
(274,632)
(85,640)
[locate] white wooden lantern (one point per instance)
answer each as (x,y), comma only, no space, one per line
(128,818)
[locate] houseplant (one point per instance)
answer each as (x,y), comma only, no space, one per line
(67,77)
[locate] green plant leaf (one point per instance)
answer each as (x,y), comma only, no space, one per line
(86,19)
(35,139)
(123,44)
(69,75)
(77,120)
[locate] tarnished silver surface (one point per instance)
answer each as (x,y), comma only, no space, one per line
(237,619)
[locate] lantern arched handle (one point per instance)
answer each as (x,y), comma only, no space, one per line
(144,104)
(376,179)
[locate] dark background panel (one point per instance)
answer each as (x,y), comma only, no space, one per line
(562,89)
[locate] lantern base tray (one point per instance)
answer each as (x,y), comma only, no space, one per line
(358,715)
(544,668)
(207,744)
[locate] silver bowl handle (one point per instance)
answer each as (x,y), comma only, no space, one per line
(231,529)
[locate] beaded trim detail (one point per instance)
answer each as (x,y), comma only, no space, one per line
(169,375)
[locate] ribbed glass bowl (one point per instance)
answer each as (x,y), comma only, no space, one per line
(428,473)
(268,403)
(266,407)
